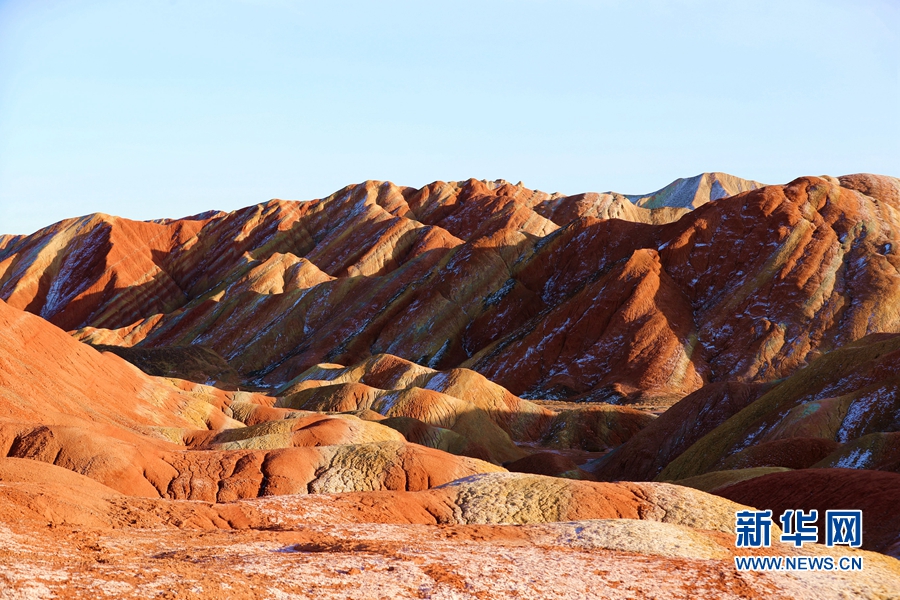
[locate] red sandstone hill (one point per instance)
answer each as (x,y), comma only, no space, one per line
(106,463)
(383,424)
(825,437)
(64,403)
(403,344)
(543,294)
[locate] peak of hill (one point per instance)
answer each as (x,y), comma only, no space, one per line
(696,191)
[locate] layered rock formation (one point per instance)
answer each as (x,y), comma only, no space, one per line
(487,416)
(66,404)
(790,442)
(488,276)
(844,396)
(63,403)
(312,372)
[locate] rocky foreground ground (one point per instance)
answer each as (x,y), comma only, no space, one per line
(471,390)
(77,539)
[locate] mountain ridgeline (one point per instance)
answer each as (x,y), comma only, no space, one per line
(585,297)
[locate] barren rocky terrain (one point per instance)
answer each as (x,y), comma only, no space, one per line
(468,390)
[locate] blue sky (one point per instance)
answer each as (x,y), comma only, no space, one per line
(149,109)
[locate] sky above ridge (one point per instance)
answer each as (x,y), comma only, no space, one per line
(157,109)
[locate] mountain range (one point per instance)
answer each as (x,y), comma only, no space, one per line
(468,354)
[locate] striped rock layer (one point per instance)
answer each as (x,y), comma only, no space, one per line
(588,297)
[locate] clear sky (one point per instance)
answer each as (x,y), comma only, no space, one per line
(149,109)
